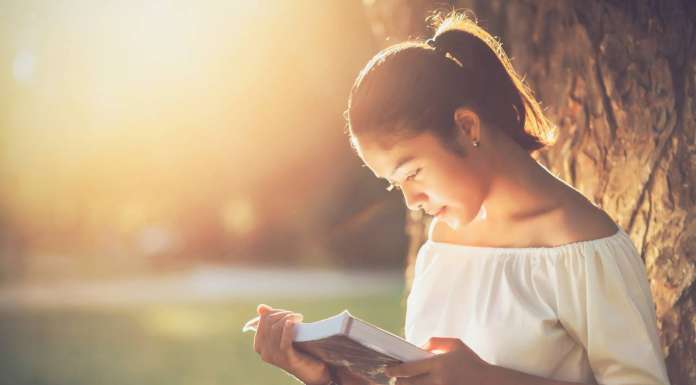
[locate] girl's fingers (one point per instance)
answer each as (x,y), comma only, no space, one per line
(277,330)
(264,328)
(288,331)
(274,317)
(267,320)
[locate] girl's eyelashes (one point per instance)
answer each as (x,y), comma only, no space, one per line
(395,186)
(413,175)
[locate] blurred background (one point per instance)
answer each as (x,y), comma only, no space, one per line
(168,165)
(165,166)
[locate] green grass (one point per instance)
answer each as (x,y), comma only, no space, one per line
(193,344)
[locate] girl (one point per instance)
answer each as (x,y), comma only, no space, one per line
(522,280)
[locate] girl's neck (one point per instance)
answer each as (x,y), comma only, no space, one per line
(521,190)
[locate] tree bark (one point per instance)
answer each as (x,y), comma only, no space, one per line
(619,80)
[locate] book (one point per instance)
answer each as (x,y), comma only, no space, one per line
(363,348)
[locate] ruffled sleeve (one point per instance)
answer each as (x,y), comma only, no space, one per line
(604,303)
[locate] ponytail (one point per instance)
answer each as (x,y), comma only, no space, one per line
(415,86)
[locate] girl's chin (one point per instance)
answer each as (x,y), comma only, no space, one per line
(454,221)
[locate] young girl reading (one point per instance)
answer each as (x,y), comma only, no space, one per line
(522,280)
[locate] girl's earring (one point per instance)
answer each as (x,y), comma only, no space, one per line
(476,143)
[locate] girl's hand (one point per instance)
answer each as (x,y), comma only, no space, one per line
(454,364)
(273,342)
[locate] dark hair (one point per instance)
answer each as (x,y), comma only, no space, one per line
(412,87)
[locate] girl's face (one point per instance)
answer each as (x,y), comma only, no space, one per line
(431,177)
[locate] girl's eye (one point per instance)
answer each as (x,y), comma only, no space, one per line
(395,186)
(410,177)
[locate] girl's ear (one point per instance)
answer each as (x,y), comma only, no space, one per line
(468,124)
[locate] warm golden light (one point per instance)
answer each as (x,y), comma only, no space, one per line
(158,128)
(238,216)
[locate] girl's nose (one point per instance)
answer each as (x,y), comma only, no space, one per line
(414,201)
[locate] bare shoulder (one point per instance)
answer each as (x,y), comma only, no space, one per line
(583,221)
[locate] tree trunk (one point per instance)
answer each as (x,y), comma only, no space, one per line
(619,80)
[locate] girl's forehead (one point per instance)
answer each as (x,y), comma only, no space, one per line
(373,142)
(375,155)
(422,143)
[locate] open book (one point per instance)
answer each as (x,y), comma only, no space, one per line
(365,349)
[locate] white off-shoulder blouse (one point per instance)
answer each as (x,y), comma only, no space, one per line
(579,312)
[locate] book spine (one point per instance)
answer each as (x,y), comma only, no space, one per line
(347,325)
